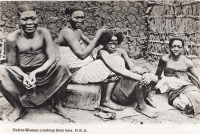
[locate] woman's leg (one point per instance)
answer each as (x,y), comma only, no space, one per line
(129,90)
(11,93)
(148,96)
(108,101)
(181,102)
(142,107)
(57,103)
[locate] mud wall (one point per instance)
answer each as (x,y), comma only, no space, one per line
(147,25)
(121,14)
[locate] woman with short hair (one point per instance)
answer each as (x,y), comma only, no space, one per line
(179,75)
(32,75)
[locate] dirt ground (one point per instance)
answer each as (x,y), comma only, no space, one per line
(166,113)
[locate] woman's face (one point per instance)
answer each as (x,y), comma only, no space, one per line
(176,48)
(112,45)
(29,21)
(77,18)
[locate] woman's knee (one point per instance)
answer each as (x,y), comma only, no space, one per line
(138,70)
(177,103)
(11,88)
(181,102)
(13,91)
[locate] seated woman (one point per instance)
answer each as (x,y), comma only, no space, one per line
(183,93)
(114,60)
(78,55)
(32,76)
(77,50)
(111,63)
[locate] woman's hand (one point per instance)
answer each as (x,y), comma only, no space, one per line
(100,31)
(145,79)
(32,77)
(26,81)
(149,77)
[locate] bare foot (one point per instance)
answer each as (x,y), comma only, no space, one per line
(17,114)
(62,112)
(150,102)
(147,111)
(114,106)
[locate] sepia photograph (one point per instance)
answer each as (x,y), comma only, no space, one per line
(100,67)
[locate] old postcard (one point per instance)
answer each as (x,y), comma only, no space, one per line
(100,67)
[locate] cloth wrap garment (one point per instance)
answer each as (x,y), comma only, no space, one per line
(48,82)
(185,86)
(87,70)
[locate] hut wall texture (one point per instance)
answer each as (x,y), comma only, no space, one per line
(151,23)
(121,14)
(173,19)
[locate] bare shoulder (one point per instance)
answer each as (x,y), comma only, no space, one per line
(121,50)
(187,61)
(67,33)
(12,37)
(66,30)
(42,30)
(102,51)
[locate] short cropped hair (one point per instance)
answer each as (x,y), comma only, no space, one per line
(26,7)
(173,39)
(106,37)
(70,10)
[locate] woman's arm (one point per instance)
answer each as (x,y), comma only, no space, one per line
(12,60)
(161,66)
(193,70)
(131,66)
(126,58)
(85,38)
(11,54)
(150,77)
(116,68)
(75,46)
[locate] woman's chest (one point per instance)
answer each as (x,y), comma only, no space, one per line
(177,65)
(117,59)
(34,44)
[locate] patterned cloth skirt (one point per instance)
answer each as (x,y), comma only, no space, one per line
(94,72)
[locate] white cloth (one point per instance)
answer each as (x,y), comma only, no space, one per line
(171,83)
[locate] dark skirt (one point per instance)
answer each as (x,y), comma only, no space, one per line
(123,92)
(48,83)
(193,94)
